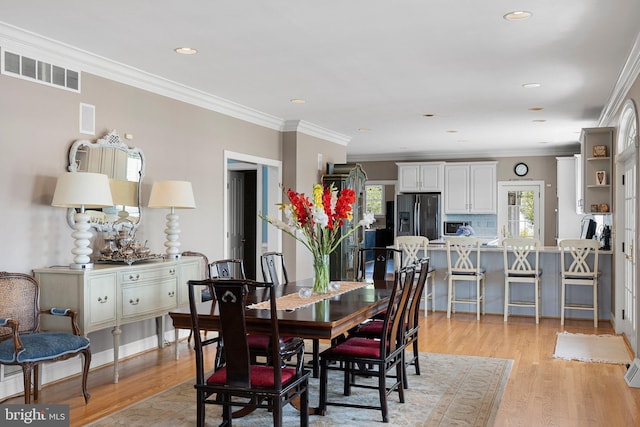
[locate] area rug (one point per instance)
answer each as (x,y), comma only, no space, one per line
(592,348)
(452,390)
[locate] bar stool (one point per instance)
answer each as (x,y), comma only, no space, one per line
(523,269)
(411,247)
(582,270)
(463,266)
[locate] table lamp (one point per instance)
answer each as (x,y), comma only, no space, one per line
(172,195)
(124,193)
(82,190)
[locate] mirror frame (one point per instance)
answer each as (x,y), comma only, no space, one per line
(110,140)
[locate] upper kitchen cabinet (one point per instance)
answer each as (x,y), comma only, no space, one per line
(470,188)
(421,177)
(597,168)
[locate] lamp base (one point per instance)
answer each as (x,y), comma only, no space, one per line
(172,256)
(88,266)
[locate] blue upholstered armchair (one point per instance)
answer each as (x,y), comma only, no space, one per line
(21,341)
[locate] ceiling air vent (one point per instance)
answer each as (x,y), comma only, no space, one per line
(23,67)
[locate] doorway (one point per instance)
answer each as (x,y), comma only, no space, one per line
(252,186)
(626,222)
(520,208)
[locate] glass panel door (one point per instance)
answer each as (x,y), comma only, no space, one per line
(520,208)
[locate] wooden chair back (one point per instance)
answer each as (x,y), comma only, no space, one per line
(521,256)
(273,268)
(463,255)
(227,269)
(381,257)
(392,337)
(19,300)
(413,310)
(411,247)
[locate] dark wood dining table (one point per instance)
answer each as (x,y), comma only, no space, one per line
(326,319)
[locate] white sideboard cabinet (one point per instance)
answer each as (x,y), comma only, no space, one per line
(420,177)
(110,295)
(470,188)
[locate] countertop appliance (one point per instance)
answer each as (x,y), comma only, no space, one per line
(418,215)
(588,228)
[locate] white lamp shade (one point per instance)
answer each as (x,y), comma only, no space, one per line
(172,194)
(82,189)
(124,193)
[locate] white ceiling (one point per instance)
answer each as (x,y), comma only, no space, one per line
(375,64)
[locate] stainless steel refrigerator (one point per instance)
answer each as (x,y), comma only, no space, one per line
(418,215)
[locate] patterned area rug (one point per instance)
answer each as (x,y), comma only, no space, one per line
(452,390)
(592,348)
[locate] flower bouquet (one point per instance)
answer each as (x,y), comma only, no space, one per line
(315,222)
(465,230)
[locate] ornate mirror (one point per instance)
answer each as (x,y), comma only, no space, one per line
(125,168)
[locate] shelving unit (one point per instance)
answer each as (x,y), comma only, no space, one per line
(597,169)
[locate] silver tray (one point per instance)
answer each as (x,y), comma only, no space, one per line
(128,260)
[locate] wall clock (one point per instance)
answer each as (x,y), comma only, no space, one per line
(521,169)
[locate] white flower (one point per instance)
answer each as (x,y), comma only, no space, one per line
(320,217)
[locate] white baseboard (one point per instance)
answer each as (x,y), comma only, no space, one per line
(55,371)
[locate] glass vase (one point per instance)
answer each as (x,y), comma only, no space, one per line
(321,274)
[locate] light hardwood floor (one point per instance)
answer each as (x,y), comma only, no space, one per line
(542,391)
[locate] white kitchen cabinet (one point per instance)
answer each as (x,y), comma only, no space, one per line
(110,296)
(423,177)
(579,190)
(470,188)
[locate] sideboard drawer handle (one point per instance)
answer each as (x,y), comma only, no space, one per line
(134,302)
(171,294)
(102,301)
(172,271)
(134,277)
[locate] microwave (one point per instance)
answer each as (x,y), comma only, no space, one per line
(451,227)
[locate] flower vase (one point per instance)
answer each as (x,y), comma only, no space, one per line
(321,277)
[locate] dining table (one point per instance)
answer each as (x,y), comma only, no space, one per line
(316,317)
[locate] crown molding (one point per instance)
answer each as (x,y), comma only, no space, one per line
(565,150)
(315,130)
(31,44)
(626,79)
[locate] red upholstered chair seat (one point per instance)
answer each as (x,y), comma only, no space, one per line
(261,376)
(362,347)
(373,328)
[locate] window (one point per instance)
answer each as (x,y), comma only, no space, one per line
(374,199)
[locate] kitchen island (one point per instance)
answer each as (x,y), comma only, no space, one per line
(491,258)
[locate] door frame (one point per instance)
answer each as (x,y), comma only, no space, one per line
(502,185)
(267,196)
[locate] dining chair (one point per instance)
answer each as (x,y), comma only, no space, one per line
(521,267)
(373,328)
(413,249)
(273,268)
(355,356)
(579,267)
(23,343)
(376,263)
(240,382)
(463,265)
(205,273)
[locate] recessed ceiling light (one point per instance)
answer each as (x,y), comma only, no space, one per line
(297,101)
(531,85)
(428,115)
(364,129)
(517,15)
(536,109)
(186,50)
(452,131)
(539,121)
